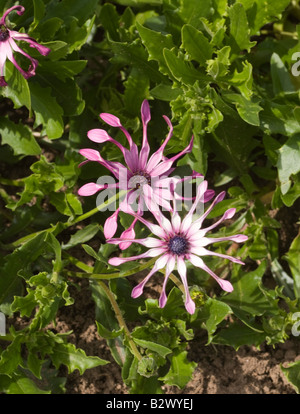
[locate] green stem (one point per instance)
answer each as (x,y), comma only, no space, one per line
(88,274)
(121,320)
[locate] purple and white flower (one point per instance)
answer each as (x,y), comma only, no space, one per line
(179,240)
(145,177)
(8,46)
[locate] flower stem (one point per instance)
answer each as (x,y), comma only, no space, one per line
(121,320)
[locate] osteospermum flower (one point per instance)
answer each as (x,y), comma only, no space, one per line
(8,46)
(145,178)
(178,241)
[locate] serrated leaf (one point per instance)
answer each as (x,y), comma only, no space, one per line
(74,358)
(219,66)
(191,11)
(239,29)
(106,333)
(19,137)
(196,44)
(182,70)
(262,12)
(247,109)
(181,370)
(155,42)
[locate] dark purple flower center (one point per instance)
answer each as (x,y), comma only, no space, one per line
(139,179)
(178,245)
(4,33)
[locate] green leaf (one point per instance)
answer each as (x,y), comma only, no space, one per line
(160,349)
(219,66)
(288,162)
(80,10)
(292,373)
(191,11)
(77,36)
(261,12)
(74,358)
(51,240)
(237,335)
(243,80)
(239,29)
(181,370)
(48,113)
(19,137)
(196,44)
(155,42)
(211,314)
(11,357)
(106,333)
(66,203)
(82,235)
(248,295)
(19,259)
(282,278)
(293,259)
(247,109)
(17,89)
(134,54)
(136,88)
(39,11)
(280,76)
(110,20)
(182,70)
(24,386)
(63,69)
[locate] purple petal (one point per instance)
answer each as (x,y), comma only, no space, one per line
(224,284)
(158,155)
(110,119)
(19,9)
(145,112)
(89,189)
(111,224)
(98,135)
(127,234)
(169,269)
(159,264)
(144,153)
(90,154)
(181,267)
(43,50)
